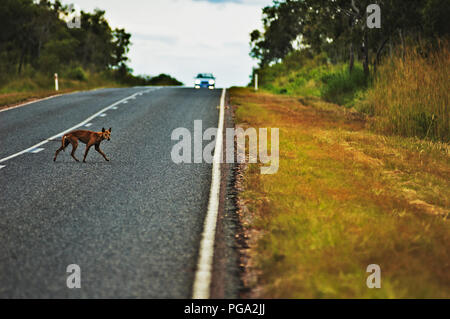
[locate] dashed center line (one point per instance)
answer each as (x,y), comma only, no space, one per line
(88,124)
(36,150)
(102,115)
(1,166)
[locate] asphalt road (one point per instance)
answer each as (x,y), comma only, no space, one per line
(133,224)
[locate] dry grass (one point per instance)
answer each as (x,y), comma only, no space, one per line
(410,96)
(11,99)
(344,198)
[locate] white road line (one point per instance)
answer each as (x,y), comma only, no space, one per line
(114,108)
(202,281)
(1,166)
(68,130)
(37,150)
(88,124)
(102,115)
(125,102)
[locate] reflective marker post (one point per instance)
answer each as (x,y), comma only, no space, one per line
(56,82)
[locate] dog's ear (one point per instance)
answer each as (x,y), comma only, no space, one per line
(109,130)
(103,129)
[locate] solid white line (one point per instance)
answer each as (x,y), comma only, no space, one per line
(202,281)
(68,130)
(37,150)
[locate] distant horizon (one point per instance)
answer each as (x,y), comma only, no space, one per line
(186,37)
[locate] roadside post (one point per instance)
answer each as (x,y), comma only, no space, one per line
(256,81)
(56,82)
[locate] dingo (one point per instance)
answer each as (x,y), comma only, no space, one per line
(87,137)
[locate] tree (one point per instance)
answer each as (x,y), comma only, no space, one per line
(337,26)
(34,35)
(121,45)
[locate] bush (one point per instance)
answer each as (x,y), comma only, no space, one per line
(341,87)
(163,79)
(76,73)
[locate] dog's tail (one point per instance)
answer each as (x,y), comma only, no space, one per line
(63,141)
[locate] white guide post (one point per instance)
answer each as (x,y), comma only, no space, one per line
(56,82)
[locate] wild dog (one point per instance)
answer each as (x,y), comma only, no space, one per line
(87,137)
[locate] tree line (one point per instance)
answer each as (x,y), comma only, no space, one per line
(339,28)
(34,36)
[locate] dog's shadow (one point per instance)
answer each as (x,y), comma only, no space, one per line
(80,163)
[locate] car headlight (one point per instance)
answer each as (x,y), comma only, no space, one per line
(197,81)
(211,82)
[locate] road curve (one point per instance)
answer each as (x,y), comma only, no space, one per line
(133,224)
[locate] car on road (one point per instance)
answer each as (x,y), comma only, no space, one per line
(205,80)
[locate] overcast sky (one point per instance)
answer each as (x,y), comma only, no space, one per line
(186,37)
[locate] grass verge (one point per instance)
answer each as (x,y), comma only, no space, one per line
(343,198)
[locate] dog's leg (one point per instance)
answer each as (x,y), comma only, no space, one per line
(88,146)
(66,142)
(74,148)
(57,152)
(97,148)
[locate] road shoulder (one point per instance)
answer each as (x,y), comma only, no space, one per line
(226,276)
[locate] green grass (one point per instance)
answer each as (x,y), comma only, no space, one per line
(343,198)
(333,83)
(301,74)
(409,96)
(342,87)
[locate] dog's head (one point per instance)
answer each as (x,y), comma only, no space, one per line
(106,134)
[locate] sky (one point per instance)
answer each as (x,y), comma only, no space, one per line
(186,37)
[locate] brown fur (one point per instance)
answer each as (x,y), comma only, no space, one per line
(87,137)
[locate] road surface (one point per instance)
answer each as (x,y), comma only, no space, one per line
(133,224)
